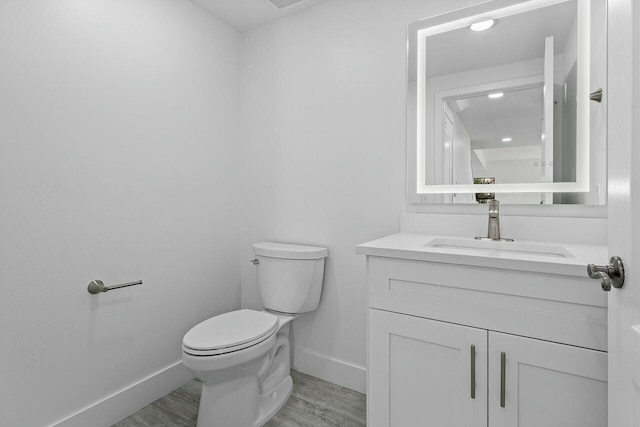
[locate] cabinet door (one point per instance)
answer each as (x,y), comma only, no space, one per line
(545,384)
(420,373)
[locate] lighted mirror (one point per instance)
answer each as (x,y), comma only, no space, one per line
(499,104)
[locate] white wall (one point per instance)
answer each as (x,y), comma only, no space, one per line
(323,119)
(323,134)
(118,129)
(598,114)
(465,223)
(118,161)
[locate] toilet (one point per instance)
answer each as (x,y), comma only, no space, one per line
(243,357)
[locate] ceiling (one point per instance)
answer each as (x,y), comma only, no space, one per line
(513,39)
(244,15)
(517,115)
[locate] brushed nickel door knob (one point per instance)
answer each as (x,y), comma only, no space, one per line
(611,275)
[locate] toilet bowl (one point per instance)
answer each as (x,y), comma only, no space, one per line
(243,357)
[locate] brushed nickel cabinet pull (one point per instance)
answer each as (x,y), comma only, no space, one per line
(503,378)
(473,371)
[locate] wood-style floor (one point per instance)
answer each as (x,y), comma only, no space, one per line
(313,403)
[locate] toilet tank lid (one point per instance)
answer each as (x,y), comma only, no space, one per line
(289,251)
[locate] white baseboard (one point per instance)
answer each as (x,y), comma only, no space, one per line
(333,370)
(125,402)
(128,400)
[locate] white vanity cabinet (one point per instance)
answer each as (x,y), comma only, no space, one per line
(462,341)
(545,384)
(422,373)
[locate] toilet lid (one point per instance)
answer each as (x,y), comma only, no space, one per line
(232,329)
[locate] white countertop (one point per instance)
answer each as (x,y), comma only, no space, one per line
(570,259)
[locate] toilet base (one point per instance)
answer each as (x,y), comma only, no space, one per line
(272,402)
(230,415)
(246,395)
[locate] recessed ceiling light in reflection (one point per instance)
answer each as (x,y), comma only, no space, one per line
(482,25)
(496,95)
(507,139)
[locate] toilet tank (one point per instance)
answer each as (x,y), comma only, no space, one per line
(290,276)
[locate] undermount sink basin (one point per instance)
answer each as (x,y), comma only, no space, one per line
(496,248)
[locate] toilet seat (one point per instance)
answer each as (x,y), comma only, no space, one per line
(230,332)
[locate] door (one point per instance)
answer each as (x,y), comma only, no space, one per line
(425,373)
(623,210)
(536,383)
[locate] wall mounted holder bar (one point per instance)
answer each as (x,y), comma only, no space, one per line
(596,96)
(97,286)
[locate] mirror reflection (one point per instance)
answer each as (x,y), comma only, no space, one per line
(502,105)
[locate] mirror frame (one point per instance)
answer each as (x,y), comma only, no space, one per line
(418,190)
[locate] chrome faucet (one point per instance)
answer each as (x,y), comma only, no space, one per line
(494,220)
(494,223)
